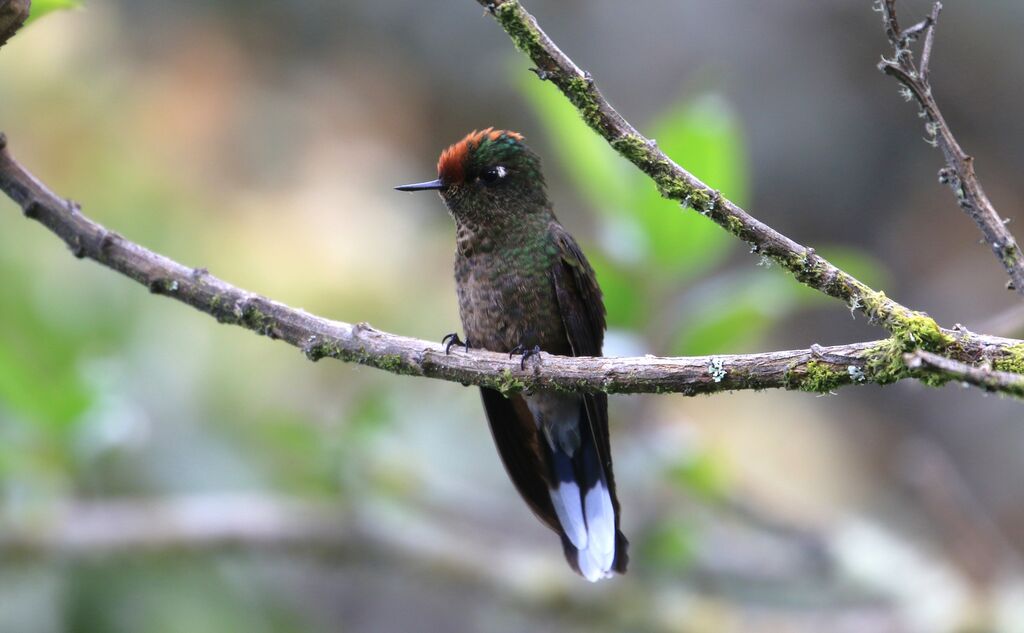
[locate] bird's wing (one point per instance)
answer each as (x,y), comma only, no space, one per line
(579,297)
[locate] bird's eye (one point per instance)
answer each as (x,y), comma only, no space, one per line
(493,175)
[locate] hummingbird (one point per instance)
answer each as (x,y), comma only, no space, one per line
(524,286)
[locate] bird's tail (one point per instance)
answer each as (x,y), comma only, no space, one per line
(582,494)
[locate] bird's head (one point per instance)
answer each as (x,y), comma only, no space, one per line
(488,172)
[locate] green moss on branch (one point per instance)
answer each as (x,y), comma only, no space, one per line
(508,384)
(1012,361)
(817,377)
(670,184)
(520,28)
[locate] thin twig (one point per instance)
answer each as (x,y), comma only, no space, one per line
(819,369)
(983,377)
(675,183)
(959,171)
(929,42)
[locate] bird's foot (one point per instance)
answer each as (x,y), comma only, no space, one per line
(526,353)
(452,340)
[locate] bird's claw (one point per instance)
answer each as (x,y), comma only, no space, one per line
(526,353)
(452,340)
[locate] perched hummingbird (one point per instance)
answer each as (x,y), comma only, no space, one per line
(524,286)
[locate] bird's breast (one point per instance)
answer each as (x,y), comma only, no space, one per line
(507,299)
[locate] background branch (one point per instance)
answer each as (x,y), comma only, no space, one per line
(959,171)
(819,369)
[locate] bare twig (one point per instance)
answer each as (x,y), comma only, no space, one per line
(819,369)
(13,14)
(675,183)
(983,377)
(959,171)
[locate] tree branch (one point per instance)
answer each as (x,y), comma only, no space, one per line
(984,377)
(959,171)
(819,369)
(675,183)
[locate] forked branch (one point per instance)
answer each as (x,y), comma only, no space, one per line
(959,171)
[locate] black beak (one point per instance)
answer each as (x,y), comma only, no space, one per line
(422,186)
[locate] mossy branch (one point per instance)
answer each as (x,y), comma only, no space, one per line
(819,369)
(959,172)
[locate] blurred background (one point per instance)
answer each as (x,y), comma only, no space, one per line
(160,472)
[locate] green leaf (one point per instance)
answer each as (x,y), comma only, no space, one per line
(42,7)
(704,137)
